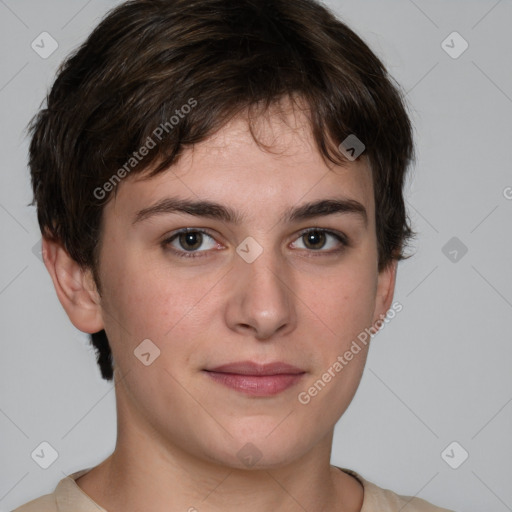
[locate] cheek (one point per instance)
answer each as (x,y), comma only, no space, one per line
(345,306)
(344,300)
(154,300)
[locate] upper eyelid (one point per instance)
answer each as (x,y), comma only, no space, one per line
(169,238)
(329,231)
(204,231)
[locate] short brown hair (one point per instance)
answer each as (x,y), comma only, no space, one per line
(147,59)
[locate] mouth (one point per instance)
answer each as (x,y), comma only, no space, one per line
(256,379)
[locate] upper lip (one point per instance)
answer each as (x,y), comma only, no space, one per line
(252,368)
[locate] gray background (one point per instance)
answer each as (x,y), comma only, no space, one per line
(438,373)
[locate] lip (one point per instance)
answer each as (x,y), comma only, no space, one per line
(252,368)
(256,379)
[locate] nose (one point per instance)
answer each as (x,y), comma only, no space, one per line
(261,300)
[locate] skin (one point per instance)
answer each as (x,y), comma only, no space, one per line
(179,431)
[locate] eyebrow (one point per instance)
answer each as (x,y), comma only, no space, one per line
(226,214)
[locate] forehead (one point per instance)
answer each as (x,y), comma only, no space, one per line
(282,169)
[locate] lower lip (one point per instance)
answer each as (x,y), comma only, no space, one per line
(257,385)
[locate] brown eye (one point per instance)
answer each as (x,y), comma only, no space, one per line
(322,241)
(314,239)
(190,241)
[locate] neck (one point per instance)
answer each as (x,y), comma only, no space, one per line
(145,469)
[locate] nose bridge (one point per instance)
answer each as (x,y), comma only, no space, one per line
(262,301)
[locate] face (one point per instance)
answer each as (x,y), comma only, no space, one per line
(276,276)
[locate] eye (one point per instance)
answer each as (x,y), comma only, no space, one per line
(189,241)
(321,240)
(193,242)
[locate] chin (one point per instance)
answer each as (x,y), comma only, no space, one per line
(263,449)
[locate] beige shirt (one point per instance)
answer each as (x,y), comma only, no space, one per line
(68,497)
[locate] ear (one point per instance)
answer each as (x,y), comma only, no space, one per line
(385,290)
(75,287)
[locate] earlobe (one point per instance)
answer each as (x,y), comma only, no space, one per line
(74,286)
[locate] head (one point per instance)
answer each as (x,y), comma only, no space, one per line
(226,118)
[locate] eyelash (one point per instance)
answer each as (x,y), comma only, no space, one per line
(340,237)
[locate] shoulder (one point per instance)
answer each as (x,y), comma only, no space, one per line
(67,497)
(44,503)
(384,500)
